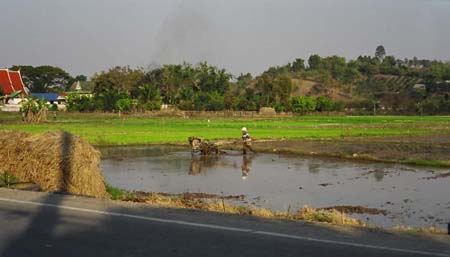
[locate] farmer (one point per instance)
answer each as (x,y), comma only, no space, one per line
(246,141)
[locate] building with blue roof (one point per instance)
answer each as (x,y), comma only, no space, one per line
(49,97)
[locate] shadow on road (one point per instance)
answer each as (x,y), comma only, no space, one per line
(43,224)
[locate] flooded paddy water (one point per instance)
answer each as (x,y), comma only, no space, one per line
(395,194)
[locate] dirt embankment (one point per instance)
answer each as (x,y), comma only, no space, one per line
(55,161)
(408,149)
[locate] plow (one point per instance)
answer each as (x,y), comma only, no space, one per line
(205,147)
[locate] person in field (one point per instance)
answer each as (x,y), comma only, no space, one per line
(246,141)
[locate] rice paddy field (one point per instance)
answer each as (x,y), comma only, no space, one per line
(110,129)
(301,156)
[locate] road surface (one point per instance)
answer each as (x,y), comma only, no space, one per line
(41,224)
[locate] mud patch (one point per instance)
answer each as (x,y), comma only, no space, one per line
(404,149)
(141,196)
(443,175)
(357,209)
(190,196)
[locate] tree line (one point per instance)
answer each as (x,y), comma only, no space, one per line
(379,81)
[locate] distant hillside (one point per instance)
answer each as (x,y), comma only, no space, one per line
(303,87)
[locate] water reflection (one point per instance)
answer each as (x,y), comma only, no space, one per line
(314,168)
(202,163)
(199,163)
(246,165)
(379,175)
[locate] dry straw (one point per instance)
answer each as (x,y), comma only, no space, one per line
(56,161)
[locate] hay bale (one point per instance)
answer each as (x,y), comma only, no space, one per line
(56,161)
(267,111)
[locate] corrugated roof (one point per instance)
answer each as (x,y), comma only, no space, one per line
(46,96)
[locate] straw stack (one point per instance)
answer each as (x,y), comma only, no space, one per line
(56,161)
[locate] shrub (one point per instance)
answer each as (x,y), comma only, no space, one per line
(324,104)
(7,179)
(80,103)
(303,104)
(124,104)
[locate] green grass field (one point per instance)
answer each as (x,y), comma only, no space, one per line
(109,129)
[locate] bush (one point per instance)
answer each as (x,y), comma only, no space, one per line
(124,104)
(303,104)
(33,110)
(324,104)
(186,105)
(339,106)
(80,103)
(53,107)
(152,106)
(116,193)
(107,100)
(433,105)
(7,179)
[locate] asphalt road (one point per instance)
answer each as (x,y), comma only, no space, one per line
(40,224)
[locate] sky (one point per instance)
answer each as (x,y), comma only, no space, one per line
(88,36)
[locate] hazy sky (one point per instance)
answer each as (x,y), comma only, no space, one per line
(87,36)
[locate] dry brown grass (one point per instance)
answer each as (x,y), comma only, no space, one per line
(306,213)
(56,161)
(427,230)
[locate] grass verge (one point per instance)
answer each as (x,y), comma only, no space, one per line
(7,180)
(115,193)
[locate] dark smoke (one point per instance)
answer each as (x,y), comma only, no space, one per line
(185,35)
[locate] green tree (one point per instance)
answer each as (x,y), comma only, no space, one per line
(380,52)
(122,79)
(282,89)
(367,65)
(216,102)
(314,62)
(149,97)
(44,78)
(266,86)
(81,78)
(115,84)
(244,80)
(210,78)
(298,65)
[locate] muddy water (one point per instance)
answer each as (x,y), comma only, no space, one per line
(411,196)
